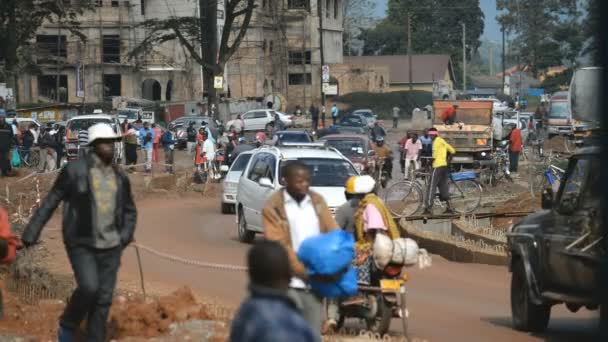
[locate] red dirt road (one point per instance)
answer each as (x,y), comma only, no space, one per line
(447,302)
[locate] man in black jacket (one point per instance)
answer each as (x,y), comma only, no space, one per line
(99,218)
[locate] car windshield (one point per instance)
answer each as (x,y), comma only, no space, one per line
(294,138)
(349,148)
(559,110)
(77,125)
(325,172)
(240,163)
(352,121)
(365,113)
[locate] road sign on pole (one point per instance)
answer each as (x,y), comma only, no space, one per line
(218,82)
(325,73)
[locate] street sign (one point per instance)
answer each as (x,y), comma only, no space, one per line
(218,82)
(325,73)
(330,89)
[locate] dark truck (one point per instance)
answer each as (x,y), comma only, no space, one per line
(472,134)
(555,254)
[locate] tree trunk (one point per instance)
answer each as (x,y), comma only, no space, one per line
(209,42)
(12,77)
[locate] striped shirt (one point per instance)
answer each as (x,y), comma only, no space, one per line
(83,137)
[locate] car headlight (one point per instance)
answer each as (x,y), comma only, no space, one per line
(483,154)
(230,186)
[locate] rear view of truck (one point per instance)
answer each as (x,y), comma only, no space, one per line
(471,134)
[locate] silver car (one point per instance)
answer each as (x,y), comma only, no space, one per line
(231,182)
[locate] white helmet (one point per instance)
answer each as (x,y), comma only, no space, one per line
(102,131)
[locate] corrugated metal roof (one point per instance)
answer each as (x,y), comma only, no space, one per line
(425,68)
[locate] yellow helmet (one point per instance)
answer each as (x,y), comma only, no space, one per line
(357,185)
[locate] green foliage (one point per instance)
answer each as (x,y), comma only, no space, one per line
(547,33)
(382,103)
(555,83)
(436,28)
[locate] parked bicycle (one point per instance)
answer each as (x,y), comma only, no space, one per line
(407,197)
(545,175)
(495,170)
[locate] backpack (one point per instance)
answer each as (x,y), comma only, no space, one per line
(167,138)
(191,133)
(147,137)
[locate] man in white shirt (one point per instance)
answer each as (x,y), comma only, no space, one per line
(291,216)
(208,151)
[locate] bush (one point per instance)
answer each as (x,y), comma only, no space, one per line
(382,103)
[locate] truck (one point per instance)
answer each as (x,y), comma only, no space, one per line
(472,134)
(559,118)
(583,103)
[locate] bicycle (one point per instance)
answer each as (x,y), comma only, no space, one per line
(547,175)
(29,158)
(494,170)
(407,197)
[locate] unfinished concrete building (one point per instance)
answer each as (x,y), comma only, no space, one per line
(280,58)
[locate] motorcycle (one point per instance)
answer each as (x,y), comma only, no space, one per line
(382,174)
(379,302)
(497,168)
(220,166)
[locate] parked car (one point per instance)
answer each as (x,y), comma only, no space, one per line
(24,123)
(181,125)
(368,114)
(231,181)
(281,137)
(357,148)
(77,123)
(555,255)
(329,172)
(263,119)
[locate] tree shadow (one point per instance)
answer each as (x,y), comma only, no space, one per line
(559,330)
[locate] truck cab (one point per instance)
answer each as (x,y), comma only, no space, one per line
(555,254)
(559,118)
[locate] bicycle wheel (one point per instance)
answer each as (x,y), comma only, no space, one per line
(465,195)
(403,199)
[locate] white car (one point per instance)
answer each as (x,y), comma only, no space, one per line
(75,124)
(231,181)
(262,119)
(329,172)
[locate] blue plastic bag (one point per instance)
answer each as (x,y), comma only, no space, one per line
(465,175)
(15,160)
(327,254)
(345,287)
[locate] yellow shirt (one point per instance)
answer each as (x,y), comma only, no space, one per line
(440,152)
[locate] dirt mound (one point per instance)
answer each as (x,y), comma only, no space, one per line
(154,318)
(523,202)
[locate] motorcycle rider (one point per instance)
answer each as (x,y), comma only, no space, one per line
(365,215)
(384,153)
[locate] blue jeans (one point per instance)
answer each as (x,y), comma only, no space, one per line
(95,271)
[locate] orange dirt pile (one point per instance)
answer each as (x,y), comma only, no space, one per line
(35,321)
(153,318)
(523,202)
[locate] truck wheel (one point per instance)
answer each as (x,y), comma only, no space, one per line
(244,235)
(526,315)
(382,321)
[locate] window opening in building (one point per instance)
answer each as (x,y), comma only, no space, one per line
(111,49)
(142,7)
(47,49)
(336,9)
(151,90)
(114,3)
(169,91)
(327,8)
(297,57)
(47,87)
(298,4)
(111,85)
(300,79)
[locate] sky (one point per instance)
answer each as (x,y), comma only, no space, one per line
(491,31)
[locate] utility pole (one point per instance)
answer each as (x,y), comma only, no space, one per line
(58,70)
(409,49)
(464,57)
(503,60)
(491,60)
(321,47)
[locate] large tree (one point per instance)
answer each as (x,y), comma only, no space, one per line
(19,21)
(547,32)
(357,15)
(197,31)
(436,27)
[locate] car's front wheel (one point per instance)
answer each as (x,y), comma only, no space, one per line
(243,234)
(526,315)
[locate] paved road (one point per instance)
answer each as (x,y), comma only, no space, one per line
(448,302)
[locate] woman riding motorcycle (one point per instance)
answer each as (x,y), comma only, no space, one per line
(366,215)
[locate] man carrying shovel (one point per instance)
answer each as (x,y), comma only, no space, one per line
(99,218)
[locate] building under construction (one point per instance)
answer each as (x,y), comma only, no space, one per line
(279,58)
